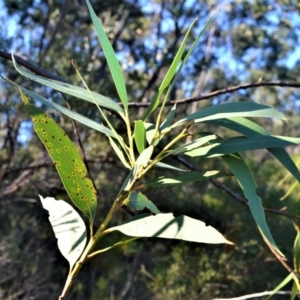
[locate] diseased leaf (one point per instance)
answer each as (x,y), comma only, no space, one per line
(186,178)
(110,57)
(170,227)
(138,201)
(66,159)
(68,227)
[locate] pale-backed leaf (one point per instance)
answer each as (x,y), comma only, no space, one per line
(167,166)
(251,129)
(71,90)
(138,201)
(186,178)
(66,159)
(139,165)
(140,135)
(119,152)
(170,227)
(247,182)
(233,109)
(110,57)
(150,132)
(194,144)
(68,227)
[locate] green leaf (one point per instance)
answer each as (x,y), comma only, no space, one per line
(110,57)
(283,283)
(119,152)
(140,135)
(66,159)
(295,291)
(290,190)
(297,249)
(169,120)
(71,90)
(170,74)
(251,129)
(247,182)
(72,114)
(170,227)
(138,201)
(240,144)
(68,227)
(233,109)
(186,178)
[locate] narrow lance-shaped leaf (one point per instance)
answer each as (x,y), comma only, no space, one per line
(71,90)
(66,159)
(247,182)
(297,249)
(138,201)
(233,109)
(169,120)
(241,144)
(72,114)
(140,135)
(119,152)
(169,76)
(68,227)
(169,227)
(186,178)
(111,58)
(139,165)
(251,129)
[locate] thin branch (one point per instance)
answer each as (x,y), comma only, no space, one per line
(216,93)
(31,66)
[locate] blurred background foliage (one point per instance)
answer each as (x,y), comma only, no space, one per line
(248,41)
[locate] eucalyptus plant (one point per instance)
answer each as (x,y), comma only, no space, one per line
(144,148)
